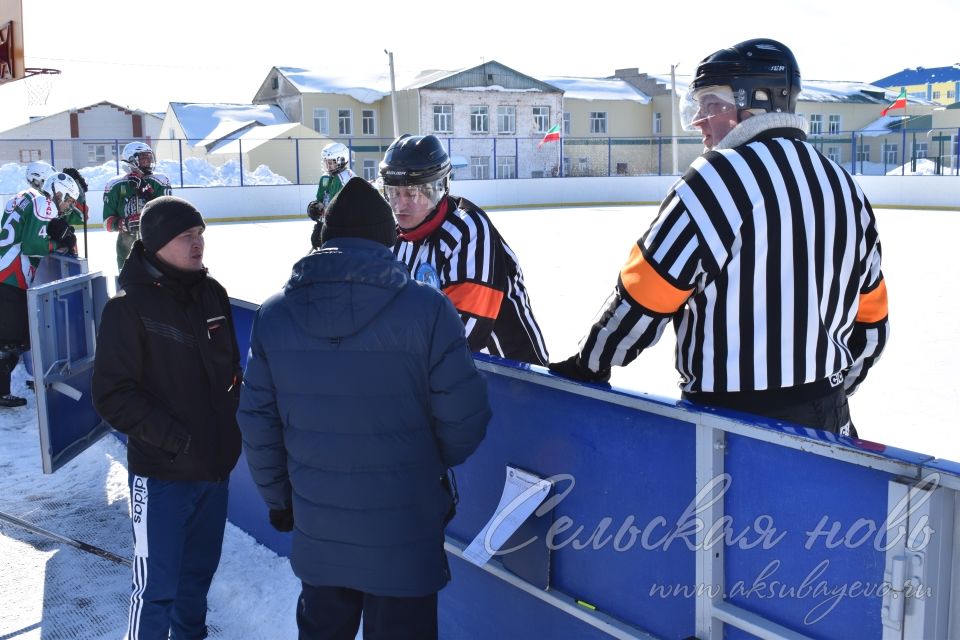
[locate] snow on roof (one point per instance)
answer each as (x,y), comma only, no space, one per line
(254,137)
(496,87)
(199,120)
(226,129)
(921,75)
(365,90)
(880,126)
(597,89)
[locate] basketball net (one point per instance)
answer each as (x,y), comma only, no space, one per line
(38,83)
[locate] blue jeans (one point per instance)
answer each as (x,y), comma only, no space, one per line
(177,536)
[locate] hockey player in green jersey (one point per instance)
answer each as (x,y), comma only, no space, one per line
(335,157)
(125,196)
(33,225)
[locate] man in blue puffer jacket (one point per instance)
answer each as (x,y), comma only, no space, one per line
(360,392)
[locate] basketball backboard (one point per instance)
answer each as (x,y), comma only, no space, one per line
(11,41)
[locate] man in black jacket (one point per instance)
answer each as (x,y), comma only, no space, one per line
(167,375)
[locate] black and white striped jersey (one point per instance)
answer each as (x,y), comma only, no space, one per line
(468,260)
(767,260)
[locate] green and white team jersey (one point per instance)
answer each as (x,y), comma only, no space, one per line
(23,238)
(125,196)
(330,186)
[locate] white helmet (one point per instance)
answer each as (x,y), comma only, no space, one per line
(138,157)
(60,184)
(337,152)
(37,172)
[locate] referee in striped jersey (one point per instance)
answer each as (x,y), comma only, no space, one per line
(451,244)
(764,255)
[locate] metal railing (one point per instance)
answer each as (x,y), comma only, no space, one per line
(248,162)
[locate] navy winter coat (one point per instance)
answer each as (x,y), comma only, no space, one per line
(359,392)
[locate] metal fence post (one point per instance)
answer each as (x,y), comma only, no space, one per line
(609,156)
(180,159)
(52,154)
(240,153)
(853,152)
(516,159)
(116,154)
(296,157)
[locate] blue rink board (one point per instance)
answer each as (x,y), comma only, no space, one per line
(633,465)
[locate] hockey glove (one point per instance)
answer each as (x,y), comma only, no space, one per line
(282,519)
(315,210)
(57,229)
(68,241)
(315,240)
(131,224)
(575,369)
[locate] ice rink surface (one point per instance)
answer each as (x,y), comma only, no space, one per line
(571,257)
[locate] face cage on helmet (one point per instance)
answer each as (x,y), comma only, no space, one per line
(433,192)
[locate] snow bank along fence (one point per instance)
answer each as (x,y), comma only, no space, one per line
(663,521)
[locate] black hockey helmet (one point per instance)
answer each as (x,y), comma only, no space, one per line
(412,160)
(762,73)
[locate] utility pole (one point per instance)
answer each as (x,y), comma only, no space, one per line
(674,114)
(393,95)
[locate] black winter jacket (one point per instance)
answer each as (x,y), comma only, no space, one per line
(167,373)
(360,391)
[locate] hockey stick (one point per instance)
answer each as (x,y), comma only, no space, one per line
(83,546)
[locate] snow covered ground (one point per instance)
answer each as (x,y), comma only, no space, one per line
(570,258)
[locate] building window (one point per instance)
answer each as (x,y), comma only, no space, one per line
(29,155)
(369,170)
(863,153)
(919,150)
(506,120)
(583,166)
(480,119)
(321,121)
(657,124)
(541,119)
(621,168)
(506,167)
(949,94)
(99,153)
(816,124)
(171,135)
(936,95)
(368,122)
(598,122)
(833,153)
(275,83)
(833,125)
(345,119)
(566,123)
(443,118)
(480,167)
(566,165)
(890,153)
(918,94)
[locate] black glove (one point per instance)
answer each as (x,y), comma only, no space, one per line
(315,210)
(58,228)
(68,240)
(315,235)
(282,519)
(574,368)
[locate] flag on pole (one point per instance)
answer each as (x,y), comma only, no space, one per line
(899,103)
(551,135)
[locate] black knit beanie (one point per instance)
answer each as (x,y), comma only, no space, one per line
(164,218)
(359,211)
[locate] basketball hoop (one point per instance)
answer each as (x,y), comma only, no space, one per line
(38,83)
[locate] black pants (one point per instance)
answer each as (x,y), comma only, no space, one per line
(829,411)
(14,331)
(333,613)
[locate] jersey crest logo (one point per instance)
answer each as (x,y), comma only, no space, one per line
(427,275)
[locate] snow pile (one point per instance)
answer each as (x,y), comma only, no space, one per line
(197,172)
